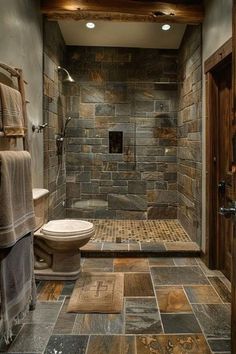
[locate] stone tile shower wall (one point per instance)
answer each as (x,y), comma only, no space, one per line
(54,113)
(115,91)
(190,133)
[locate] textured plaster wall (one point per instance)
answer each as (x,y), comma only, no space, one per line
(21,45)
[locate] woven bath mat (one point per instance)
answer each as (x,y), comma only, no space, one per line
(98,293)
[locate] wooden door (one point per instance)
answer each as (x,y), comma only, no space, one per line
(224,157)
(233,138)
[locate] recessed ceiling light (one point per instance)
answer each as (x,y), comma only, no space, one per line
(166,27)
(90,25)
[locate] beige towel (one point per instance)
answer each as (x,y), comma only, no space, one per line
(11,112)
(16,200)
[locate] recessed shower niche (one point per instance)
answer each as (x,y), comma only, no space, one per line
(115,142)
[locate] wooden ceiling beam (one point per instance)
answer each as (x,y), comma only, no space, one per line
(185,11)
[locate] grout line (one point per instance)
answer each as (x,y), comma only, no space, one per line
(158,308)
(87,346)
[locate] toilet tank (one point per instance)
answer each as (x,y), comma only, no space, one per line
(40,197)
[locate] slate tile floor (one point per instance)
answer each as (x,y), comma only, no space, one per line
(171,306)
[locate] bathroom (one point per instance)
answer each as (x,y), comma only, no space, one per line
(117,138)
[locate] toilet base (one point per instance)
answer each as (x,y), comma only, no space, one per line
(55,264)
(49,274)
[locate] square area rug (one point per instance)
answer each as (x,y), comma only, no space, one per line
(98,293)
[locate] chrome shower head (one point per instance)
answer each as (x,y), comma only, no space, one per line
(68,77)
(65,126)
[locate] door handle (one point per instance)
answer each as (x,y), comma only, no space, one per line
(221,186)
(228,211)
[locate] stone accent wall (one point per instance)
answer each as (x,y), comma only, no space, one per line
(115,91)
(190,133)
(53,113)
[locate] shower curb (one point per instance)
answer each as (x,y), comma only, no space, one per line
(138,254)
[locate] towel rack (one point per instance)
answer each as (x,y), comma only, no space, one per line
(18,74)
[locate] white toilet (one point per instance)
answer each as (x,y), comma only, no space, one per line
(57,243)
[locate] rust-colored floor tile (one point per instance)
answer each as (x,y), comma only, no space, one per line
(112,246)
(138,284)
(204,294)
(131,265)
(50,291)
(172,299)
(176,344)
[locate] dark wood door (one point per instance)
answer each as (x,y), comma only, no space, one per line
(233,139)
(224,158)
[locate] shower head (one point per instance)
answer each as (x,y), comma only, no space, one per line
(68,78)
(67,121)
(65,126)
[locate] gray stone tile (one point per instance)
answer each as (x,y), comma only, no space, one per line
(32,338)
(214,319)
(183,261)
(67,344)
(65,320)
(92,94)
(112,246)
(127,202)
(45,312)
(68,288)
(140,305)
(101,264)
(220,345)
(148,323)
(188,275)
(134,246)
(155,247)
(142,316)
(137,187)
(105,110)
(180,323)
(161,261)
(99,324)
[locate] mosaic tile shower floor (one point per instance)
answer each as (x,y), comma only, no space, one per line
(138,231)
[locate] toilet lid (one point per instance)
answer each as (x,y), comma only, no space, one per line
(67,227)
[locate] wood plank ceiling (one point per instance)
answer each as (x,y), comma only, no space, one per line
(183,11)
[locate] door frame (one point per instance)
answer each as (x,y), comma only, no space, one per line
(215,60)
(233,280)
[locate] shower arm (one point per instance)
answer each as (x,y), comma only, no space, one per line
(63,69)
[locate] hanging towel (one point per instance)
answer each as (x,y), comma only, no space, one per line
(16,200)
(17,284)
(11,112)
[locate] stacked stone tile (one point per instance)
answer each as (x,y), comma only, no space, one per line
(115,91)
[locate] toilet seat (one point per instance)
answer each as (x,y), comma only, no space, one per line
(72,228)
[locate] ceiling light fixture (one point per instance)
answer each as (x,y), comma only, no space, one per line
(90,25)
(166,27)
